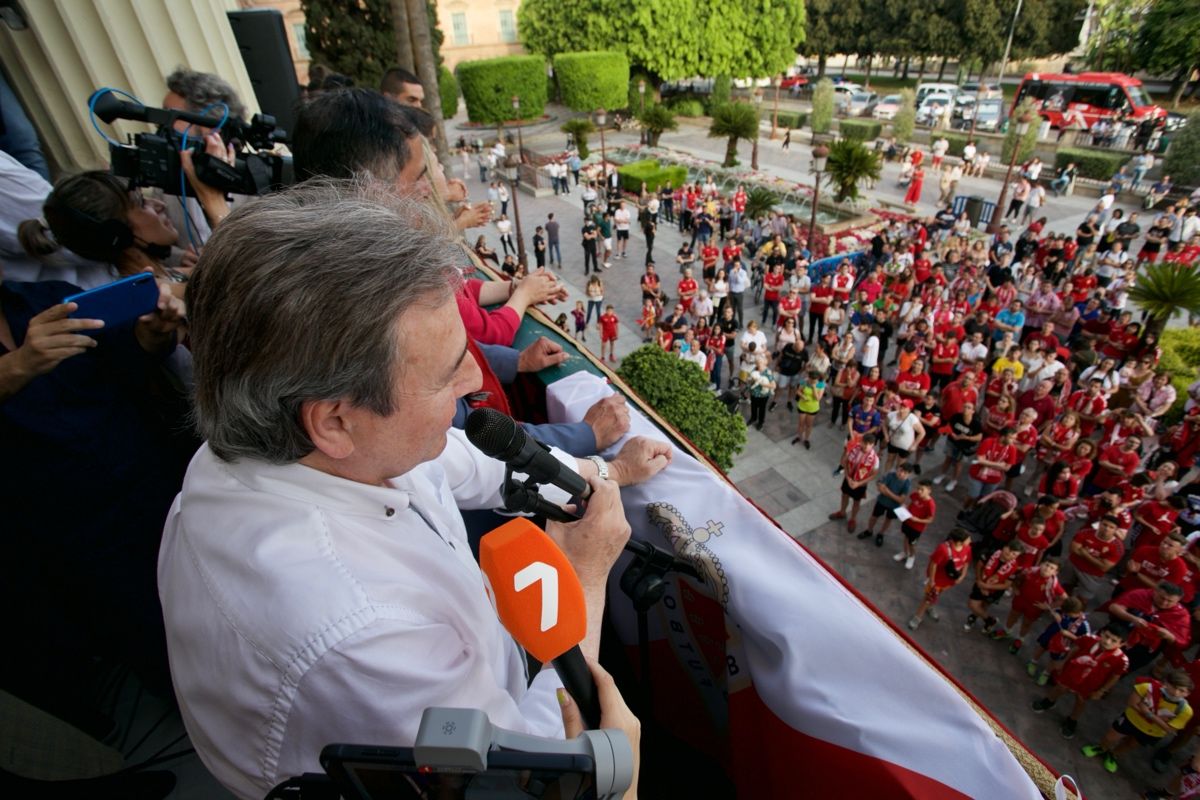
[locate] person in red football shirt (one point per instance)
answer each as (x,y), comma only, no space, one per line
(789,308)
(843,282)
(1158,618)
(861,464)
(947,567)
(608,333)
(1094,666)
(993,577)
(1054,444)
(1115,464)
(1094,553)
(772,287)
(820,298)
(1038,591)
(1089,403)
(687,289)
(958,394)
(914,383)
(995,456)
(1157,519)
(1149,565)
(921,508)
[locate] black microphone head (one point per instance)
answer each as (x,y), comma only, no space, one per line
(497,435)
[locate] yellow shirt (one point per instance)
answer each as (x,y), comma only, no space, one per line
(1181,711)
(1003,363)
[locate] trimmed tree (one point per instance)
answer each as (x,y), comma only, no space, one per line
(1183,157)
(822,110)
(656,119)
(448,91)
(733,121)
(1028,141)
(488,86)
(591,80)
(579,128)
(850,162)
(906,117)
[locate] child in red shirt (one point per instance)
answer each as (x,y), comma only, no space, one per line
(1038,591)
(947,567)
(993,577)
(608,333)
(1096,663)
(921,508)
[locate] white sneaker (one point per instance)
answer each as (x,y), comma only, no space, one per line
(934,615)
(908,562)
(899,556)
(914,623)
(1029,490)
(951,486)
(938,480)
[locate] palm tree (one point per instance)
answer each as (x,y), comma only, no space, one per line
(1162,290)
(733,121)
(760,201)
(850,162)
(579,128)
(656,119)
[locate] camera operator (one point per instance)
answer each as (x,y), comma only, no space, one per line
(315,576)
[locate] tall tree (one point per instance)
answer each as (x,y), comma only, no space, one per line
(1113,34)
(427,71)
(829,29)
(1169,40)
(671,38)
(404,54)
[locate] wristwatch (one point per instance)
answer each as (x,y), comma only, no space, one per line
(601,466)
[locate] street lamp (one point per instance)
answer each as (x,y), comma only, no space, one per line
(642,108)
(819,154)
(601,118)
(775,81)
(516,104)
(758,98)
(1022,128)
(512,173)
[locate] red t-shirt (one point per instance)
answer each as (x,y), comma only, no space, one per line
(731,252)
(1113,454)
(789,306)
(608,326)
(708,255)
(944,553)
(1089,540)
(944,350)
(1062,436)
(1080,401)
(997,570)
(909,384)
(1159,520)
(993,449)
(1092,666)
(870,387)
(1036,588)
(821,297)
(686,286)
(924,509)
(739,202)
(772,283)
(1151,565)
(842,284)
(1176,619)
(954,397)
(861,462)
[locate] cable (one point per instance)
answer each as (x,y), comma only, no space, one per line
(92,111)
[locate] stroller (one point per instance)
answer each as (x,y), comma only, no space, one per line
(984,519)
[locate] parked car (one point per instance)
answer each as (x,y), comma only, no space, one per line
(937,100)
(841,95)
(887,107)
(749,83)
(963,108)
(991,115)
(926,89)
(861,104)
(793,83)
(986,91)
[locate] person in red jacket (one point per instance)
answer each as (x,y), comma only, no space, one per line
(1149,565)
(1158,619)
(1094,553)
(1094,666)
(947,567)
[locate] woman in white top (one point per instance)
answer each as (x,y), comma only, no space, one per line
(1105,372)
(1033,361)
(835,318)
(720,290)
(904,433)
(786,334)
(752,334)
(503,196)
(504,226)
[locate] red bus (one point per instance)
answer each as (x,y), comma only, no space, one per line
(1092,95)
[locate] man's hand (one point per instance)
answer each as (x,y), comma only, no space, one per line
(51,338)
(593,543)
(639,460)
(609,419)
(456,190)
(541,354)
(473,216)
(212,200)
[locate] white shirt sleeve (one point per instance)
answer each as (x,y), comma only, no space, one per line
(476,479)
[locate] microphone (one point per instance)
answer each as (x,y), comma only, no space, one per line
(539,599)
(499,436)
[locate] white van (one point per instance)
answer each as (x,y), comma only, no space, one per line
(926,89)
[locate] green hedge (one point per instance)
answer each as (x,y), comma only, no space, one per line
(488,86)
(957,142)
(792,119)
(1097,164)
(652,173)
(678,390)
(591,80)
(861,129)
(1180,357)
(448,91)
(687,107)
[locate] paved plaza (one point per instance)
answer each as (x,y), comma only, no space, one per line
(796,487)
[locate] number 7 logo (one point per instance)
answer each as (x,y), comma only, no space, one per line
(541,572)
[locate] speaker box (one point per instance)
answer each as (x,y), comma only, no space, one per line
(263,42)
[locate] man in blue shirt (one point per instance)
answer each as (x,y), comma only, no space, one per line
(1010,320)
(893,490)
(864,419)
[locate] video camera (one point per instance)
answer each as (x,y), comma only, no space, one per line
(153,158)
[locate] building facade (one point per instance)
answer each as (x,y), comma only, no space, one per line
(476,29)
(293,23)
